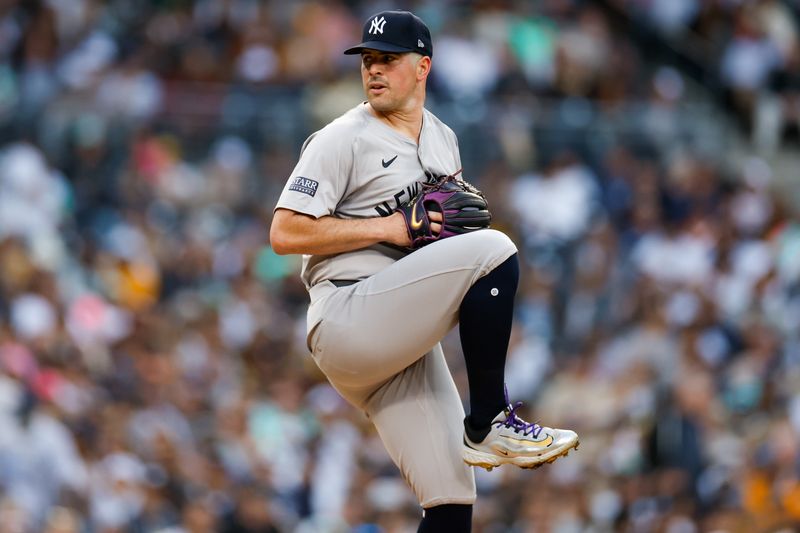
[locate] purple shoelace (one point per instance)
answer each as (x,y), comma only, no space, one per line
(514,422)
(517,424)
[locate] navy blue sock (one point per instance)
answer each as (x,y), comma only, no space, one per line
(485,318)
(450,517)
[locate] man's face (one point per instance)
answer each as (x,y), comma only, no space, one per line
(389,78)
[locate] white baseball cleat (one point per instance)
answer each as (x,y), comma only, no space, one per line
(511,440)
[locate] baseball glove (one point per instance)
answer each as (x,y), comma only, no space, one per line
(463,208)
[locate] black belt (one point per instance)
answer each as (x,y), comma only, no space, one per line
(344,282)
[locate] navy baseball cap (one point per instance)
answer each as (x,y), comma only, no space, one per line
(395,31)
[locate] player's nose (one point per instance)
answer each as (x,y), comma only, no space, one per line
(375,69)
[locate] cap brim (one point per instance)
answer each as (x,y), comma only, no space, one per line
(376,45)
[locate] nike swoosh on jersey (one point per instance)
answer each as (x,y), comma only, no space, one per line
(387,163)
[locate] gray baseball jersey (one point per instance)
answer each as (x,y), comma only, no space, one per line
(377,341)
(359,167)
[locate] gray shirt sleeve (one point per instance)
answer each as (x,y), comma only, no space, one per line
(317,183)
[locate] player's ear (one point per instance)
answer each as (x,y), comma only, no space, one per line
(423,67)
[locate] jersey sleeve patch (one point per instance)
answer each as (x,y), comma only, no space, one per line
(304,185)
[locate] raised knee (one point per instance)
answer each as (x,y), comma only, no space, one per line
(497,241)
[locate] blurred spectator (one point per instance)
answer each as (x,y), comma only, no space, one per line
(747,61)
(251,515)
(777,115)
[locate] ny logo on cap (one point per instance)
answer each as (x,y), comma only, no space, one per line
(377,26)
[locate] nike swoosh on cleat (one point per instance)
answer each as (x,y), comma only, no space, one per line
(387,163)
(535,444)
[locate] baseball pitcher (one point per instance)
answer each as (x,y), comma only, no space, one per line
(396,252)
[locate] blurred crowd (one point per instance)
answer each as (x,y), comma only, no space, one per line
(751,47)
(153,369)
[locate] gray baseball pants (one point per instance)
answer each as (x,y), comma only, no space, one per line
(377,341)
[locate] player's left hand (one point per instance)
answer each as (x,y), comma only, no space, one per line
(436,222)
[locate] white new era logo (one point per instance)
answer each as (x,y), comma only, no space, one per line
(420,43)
(377,26)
